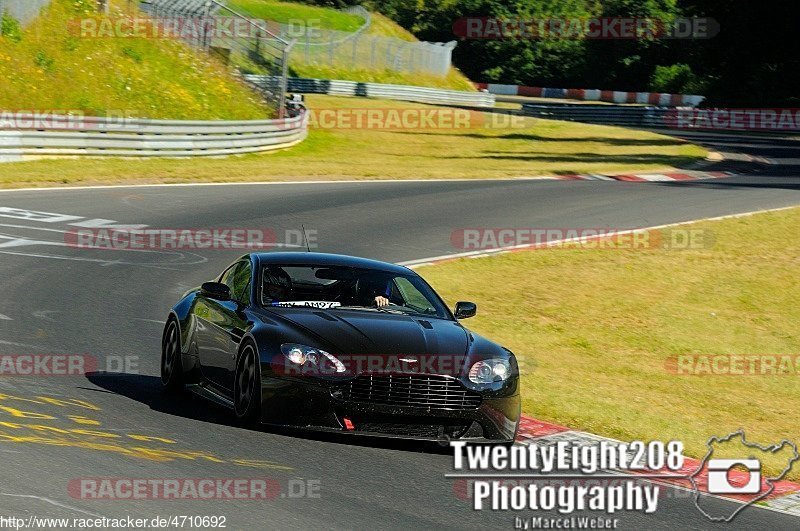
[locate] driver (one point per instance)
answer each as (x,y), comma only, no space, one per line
(277,285)
(375,290)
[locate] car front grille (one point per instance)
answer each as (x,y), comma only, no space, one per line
(416,390)
(413,430)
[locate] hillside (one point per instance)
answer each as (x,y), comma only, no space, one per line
(48,66)
(289,12)
(328,19)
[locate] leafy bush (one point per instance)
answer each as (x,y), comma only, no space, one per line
(9,28)
(675,79)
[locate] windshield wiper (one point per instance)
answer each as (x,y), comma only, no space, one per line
(389,310)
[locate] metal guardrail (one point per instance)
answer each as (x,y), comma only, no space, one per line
(96,136)
(93,136)
(386,91)
(633,116)
(683,118)
(657,99)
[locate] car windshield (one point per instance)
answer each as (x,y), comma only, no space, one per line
(347,288)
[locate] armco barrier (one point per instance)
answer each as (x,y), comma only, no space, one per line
(686,118)
(611,96)
(601,114)
(386,91)
(93,136)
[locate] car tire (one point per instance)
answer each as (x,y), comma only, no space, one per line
(171,362)
(247,385)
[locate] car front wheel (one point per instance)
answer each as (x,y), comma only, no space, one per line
(171,365)
(247,386)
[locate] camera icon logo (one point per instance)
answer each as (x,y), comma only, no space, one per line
(721,479)
(741,478)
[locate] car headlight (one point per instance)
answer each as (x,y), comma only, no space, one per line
(311,357)
(490,371)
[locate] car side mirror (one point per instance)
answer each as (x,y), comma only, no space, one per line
(217,291)
(465,310)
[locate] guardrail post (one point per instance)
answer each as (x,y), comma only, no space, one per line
(284,81)
(206,26)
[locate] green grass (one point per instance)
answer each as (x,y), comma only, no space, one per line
(289,12)
(386,27)
(49,68)
(593,330)
(536,147)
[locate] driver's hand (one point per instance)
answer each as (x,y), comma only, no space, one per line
(381,301)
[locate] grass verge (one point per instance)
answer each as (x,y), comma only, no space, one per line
(294,13)
(535,148)
(48,66)
(595,329)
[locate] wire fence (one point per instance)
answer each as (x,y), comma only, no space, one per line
(372,52)
(359,50)
(236,39)
(22,10)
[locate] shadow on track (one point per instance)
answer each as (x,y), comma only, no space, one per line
(147,390)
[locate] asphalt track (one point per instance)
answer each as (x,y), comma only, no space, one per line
(110,305)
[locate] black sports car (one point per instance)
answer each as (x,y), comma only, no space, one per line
(337,343)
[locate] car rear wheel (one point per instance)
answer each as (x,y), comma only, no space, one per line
(247,386)
(171,365)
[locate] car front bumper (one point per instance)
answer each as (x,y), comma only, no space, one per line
(323,406)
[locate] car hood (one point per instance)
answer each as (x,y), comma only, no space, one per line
(374,333)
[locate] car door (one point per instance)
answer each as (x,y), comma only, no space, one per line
(223,327)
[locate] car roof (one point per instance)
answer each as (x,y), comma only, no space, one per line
(330,260)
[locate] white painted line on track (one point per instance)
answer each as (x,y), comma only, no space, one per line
(150,321)
(44,314)
(23,345)
(262,183)
(500,250)
(51,502)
